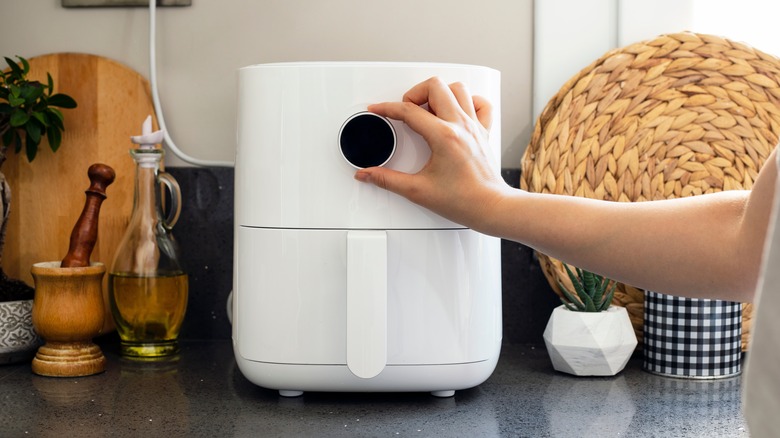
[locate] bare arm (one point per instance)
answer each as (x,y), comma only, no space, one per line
(704,246)
(707,246)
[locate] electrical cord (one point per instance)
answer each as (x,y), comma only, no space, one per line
(156,98)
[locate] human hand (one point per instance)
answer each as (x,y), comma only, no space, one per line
(458,181)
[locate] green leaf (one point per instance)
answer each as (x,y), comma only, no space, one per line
(15,90)
(15,101)
(41,117)
(25,65)
(32,92)
(590,306)
(15,69)
(608,299)
(574,301)
(588,281)
(19,118)
(574,280)
(600,287)
(33,132)
(577,283)
(62,101)
(55,138)
(8,137)
(31,148)
(50,85)
(55,118)
(57,113)
(17,141)
(569,306)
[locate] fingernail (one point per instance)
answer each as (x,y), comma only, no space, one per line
(361,176)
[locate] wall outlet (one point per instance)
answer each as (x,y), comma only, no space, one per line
(121,3)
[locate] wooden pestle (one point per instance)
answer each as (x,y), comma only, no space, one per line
(84,234)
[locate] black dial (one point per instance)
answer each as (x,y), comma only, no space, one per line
(367,140)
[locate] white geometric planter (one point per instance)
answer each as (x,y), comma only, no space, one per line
(590,343)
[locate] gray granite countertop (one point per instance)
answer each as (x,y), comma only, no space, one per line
(202,393)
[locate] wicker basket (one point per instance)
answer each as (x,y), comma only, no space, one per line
(680,115)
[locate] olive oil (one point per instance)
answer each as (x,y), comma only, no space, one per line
(147,286)
(148,311)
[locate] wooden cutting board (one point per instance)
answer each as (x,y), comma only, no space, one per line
(48,194)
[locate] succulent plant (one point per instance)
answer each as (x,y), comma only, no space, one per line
(591,291)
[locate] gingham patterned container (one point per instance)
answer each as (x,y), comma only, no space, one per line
(692,338)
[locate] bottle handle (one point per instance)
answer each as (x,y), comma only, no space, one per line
(173,188)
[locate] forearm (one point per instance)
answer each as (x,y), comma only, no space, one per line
(692,247)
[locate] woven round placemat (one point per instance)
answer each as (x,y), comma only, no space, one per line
(679,115)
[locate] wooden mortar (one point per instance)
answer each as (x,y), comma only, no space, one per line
(67,313)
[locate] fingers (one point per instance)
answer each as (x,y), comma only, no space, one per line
(484,111)
(420,120)
(439,97)
(447,102)
(443,100)
(463,96)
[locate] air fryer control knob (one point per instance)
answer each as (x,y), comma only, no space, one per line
(367,140)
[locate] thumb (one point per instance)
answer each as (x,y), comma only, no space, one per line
(388,179)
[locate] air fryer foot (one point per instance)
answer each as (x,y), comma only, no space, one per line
(443,394)
(290,393)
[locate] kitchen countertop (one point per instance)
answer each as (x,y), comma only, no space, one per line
(202,393)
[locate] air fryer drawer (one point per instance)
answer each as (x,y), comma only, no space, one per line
(443,296)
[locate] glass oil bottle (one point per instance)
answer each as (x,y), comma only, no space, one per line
(148,289)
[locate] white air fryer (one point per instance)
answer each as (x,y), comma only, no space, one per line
(340,285)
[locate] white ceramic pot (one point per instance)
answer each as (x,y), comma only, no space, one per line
(590,343)
(18,340)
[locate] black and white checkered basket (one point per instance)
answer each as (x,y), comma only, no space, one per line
(692,338)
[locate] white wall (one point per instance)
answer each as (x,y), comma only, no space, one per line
(571,34)
(201,47)
(754,22)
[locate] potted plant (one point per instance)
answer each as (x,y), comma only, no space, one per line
(28,113)
(586,335)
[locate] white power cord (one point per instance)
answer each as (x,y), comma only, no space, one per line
(156,98)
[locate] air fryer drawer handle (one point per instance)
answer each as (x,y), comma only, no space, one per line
(366,302)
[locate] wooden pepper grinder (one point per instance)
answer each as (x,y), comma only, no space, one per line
(68,305)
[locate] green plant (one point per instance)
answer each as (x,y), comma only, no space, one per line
(27,114)
(27,110)
(591,291)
